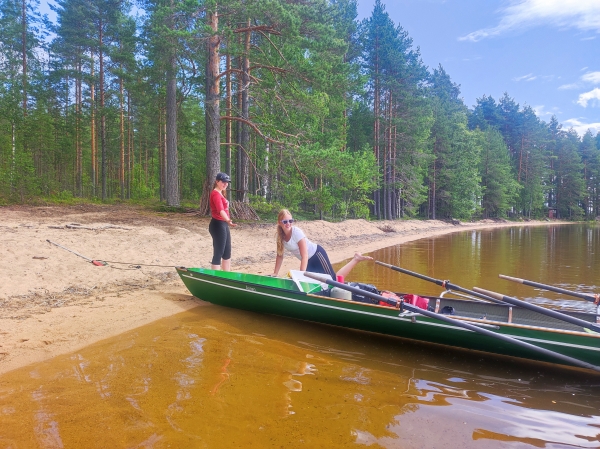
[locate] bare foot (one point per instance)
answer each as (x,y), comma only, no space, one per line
(360,257)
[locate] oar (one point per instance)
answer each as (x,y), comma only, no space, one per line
(469,326)
(445,284)
(595,299)
(481,293)
(552,313)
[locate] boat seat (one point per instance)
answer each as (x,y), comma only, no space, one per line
(306,284)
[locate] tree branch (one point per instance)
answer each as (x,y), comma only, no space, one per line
(255,128)
(260,28)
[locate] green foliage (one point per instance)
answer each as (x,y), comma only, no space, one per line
(463,177)
(343,180)
(263,207)
(570,184)
(500,188)
(343,118)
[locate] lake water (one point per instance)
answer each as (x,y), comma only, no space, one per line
(565,256)
(215,377)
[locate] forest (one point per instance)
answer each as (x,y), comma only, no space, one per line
(304,105)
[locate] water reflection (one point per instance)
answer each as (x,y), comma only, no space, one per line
(560,255)
(217,377)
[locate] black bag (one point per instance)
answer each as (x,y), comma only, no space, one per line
(447,310)
(366,287)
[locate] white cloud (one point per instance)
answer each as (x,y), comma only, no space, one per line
(590,96)
(569,86)
(591,77)
(588,78)
(540,111)
(528,77)
(581,14)
(581,127)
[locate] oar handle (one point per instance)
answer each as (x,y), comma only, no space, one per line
(471,327)
(595,299)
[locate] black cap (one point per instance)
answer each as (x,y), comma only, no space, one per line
(224,177)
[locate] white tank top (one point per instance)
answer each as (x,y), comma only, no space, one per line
(292,245)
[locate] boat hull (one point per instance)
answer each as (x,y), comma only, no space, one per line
(277,296)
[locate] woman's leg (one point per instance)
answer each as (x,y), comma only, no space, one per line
(226,263)
(319,263)
(346,269)
(218,234)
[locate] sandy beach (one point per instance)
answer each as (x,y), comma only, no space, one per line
(54,300)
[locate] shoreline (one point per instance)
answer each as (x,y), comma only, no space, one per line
(54,301)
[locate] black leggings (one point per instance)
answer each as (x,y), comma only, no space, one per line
(219,230)
(319,263)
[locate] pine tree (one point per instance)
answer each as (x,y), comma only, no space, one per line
(570,184)
(450,115)
(500,188)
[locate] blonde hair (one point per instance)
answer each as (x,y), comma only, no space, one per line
(279,234)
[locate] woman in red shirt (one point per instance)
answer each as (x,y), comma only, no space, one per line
(219,224)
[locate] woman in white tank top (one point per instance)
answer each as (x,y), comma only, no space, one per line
(312,256)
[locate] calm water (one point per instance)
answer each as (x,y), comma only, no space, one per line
(566,256)
(222,378)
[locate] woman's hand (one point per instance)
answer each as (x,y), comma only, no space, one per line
(278,262)
(303,247)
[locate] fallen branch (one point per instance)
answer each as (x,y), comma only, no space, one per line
(78,226)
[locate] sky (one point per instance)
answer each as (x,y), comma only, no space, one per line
(542,53)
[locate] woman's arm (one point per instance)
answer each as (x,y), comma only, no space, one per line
(303,254)
(226,218)
(278,262)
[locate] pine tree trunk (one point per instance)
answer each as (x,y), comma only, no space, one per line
(93,125)
(79,149)
(228,112)
(24,52)
(238,129)
(130,156)
(122,138)
(102,114)
(172,172)
(213,116)
(376,107)
(245,137)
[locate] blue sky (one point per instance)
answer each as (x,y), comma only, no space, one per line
(543,53)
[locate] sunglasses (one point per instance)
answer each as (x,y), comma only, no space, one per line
(290,221)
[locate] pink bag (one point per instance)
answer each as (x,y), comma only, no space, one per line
(417,301)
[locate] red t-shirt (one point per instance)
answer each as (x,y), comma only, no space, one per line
(218,203)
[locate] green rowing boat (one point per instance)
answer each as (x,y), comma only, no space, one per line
(469,324)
